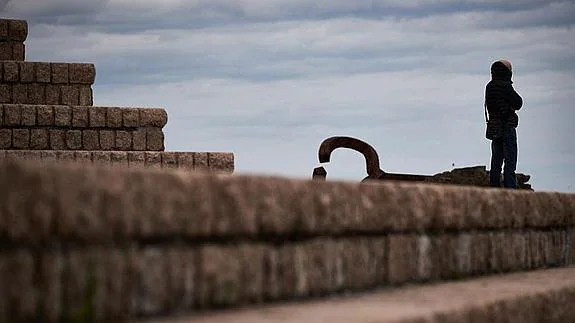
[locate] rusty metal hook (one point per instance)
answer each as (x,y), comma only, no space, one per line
(371,160)
(333,143)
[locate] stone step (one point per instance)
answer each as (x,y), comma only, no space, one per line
(46,83)
(117,243)
(60,127)
(13,30)
(13,33)
(530,297)
(202,161)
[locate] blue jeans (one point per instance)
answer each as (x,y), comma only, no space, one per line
(504,150)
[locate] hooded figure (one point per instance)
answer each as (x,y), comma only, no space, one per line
(502,102)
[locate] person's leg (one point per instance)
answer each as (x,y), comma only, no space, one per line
(510,156)
(496,163)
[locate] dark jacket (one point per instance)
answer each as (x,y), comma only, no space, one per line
(501,99)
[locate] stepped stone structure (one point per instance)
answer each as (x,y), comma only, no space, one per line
(47,113)
(85,240)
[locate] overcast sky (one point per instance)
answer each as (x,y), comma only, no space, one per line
(270,79)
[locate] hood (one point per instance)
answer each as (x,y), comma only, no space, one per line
(501,70)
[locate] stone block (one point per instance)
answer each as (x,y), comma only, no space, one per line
(154,139)
(114,117)
(156,118)
(45,114)
(221,162)
(123,140)
(59,73)
(101,158)
(220,275)
(169,160)
(20,94)
(139,139)
(4,29)
(74,139)
(66,156)
(84,157)
(107,139)
(166,280)
(5,93)
(26,72)
(201,161)
(36,93)
(130,117)
(153,159)
(186,160)
(70,94)
(97,284)
(57,139)
(136,159)
(1,114)
(28,115)
(443,257)
(53,94)
(17,30)
(12,115)
(5,138)
(20,138)
(62,116)
(90,140)
(86,96)
(119,158)
(43,72)
(97,116)
(80,117)
(363,263)
(6,51)
(11,72)
(403,258)
(18,52)
(48,156)
(81,73)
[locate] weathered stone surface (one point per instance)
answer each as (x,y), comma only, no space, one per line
(20,138)
(43,72)
(63,116)
(154,139)
(90,139)
(186,160)
(20,94)
(201,161)
(153,159)
(114,117)
(74,139)
(123,140)
(130,118)
(81,73)
(36,93)
(45,114)
(57,139)
(12,115)
(221,162)
(53,94)
(70,95)
(156,118)
(97,116)
(107,139)
(139,139)
(5,138)
(169,160)
(28,115)
(15,30)
(38,139)
(5,93)
(136,159)
(403,258)
(59,73)
(119,158)
(86,96)
(80,117)
(11,72)
(26,72)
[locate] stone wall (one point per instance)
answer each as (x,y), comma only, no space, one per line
(116,243)
(475,176)
(47,114)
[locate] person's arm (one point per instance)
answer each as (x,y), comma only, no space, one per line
(514,99)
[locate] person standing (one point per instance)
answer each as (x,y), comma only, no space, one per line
(502,102)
